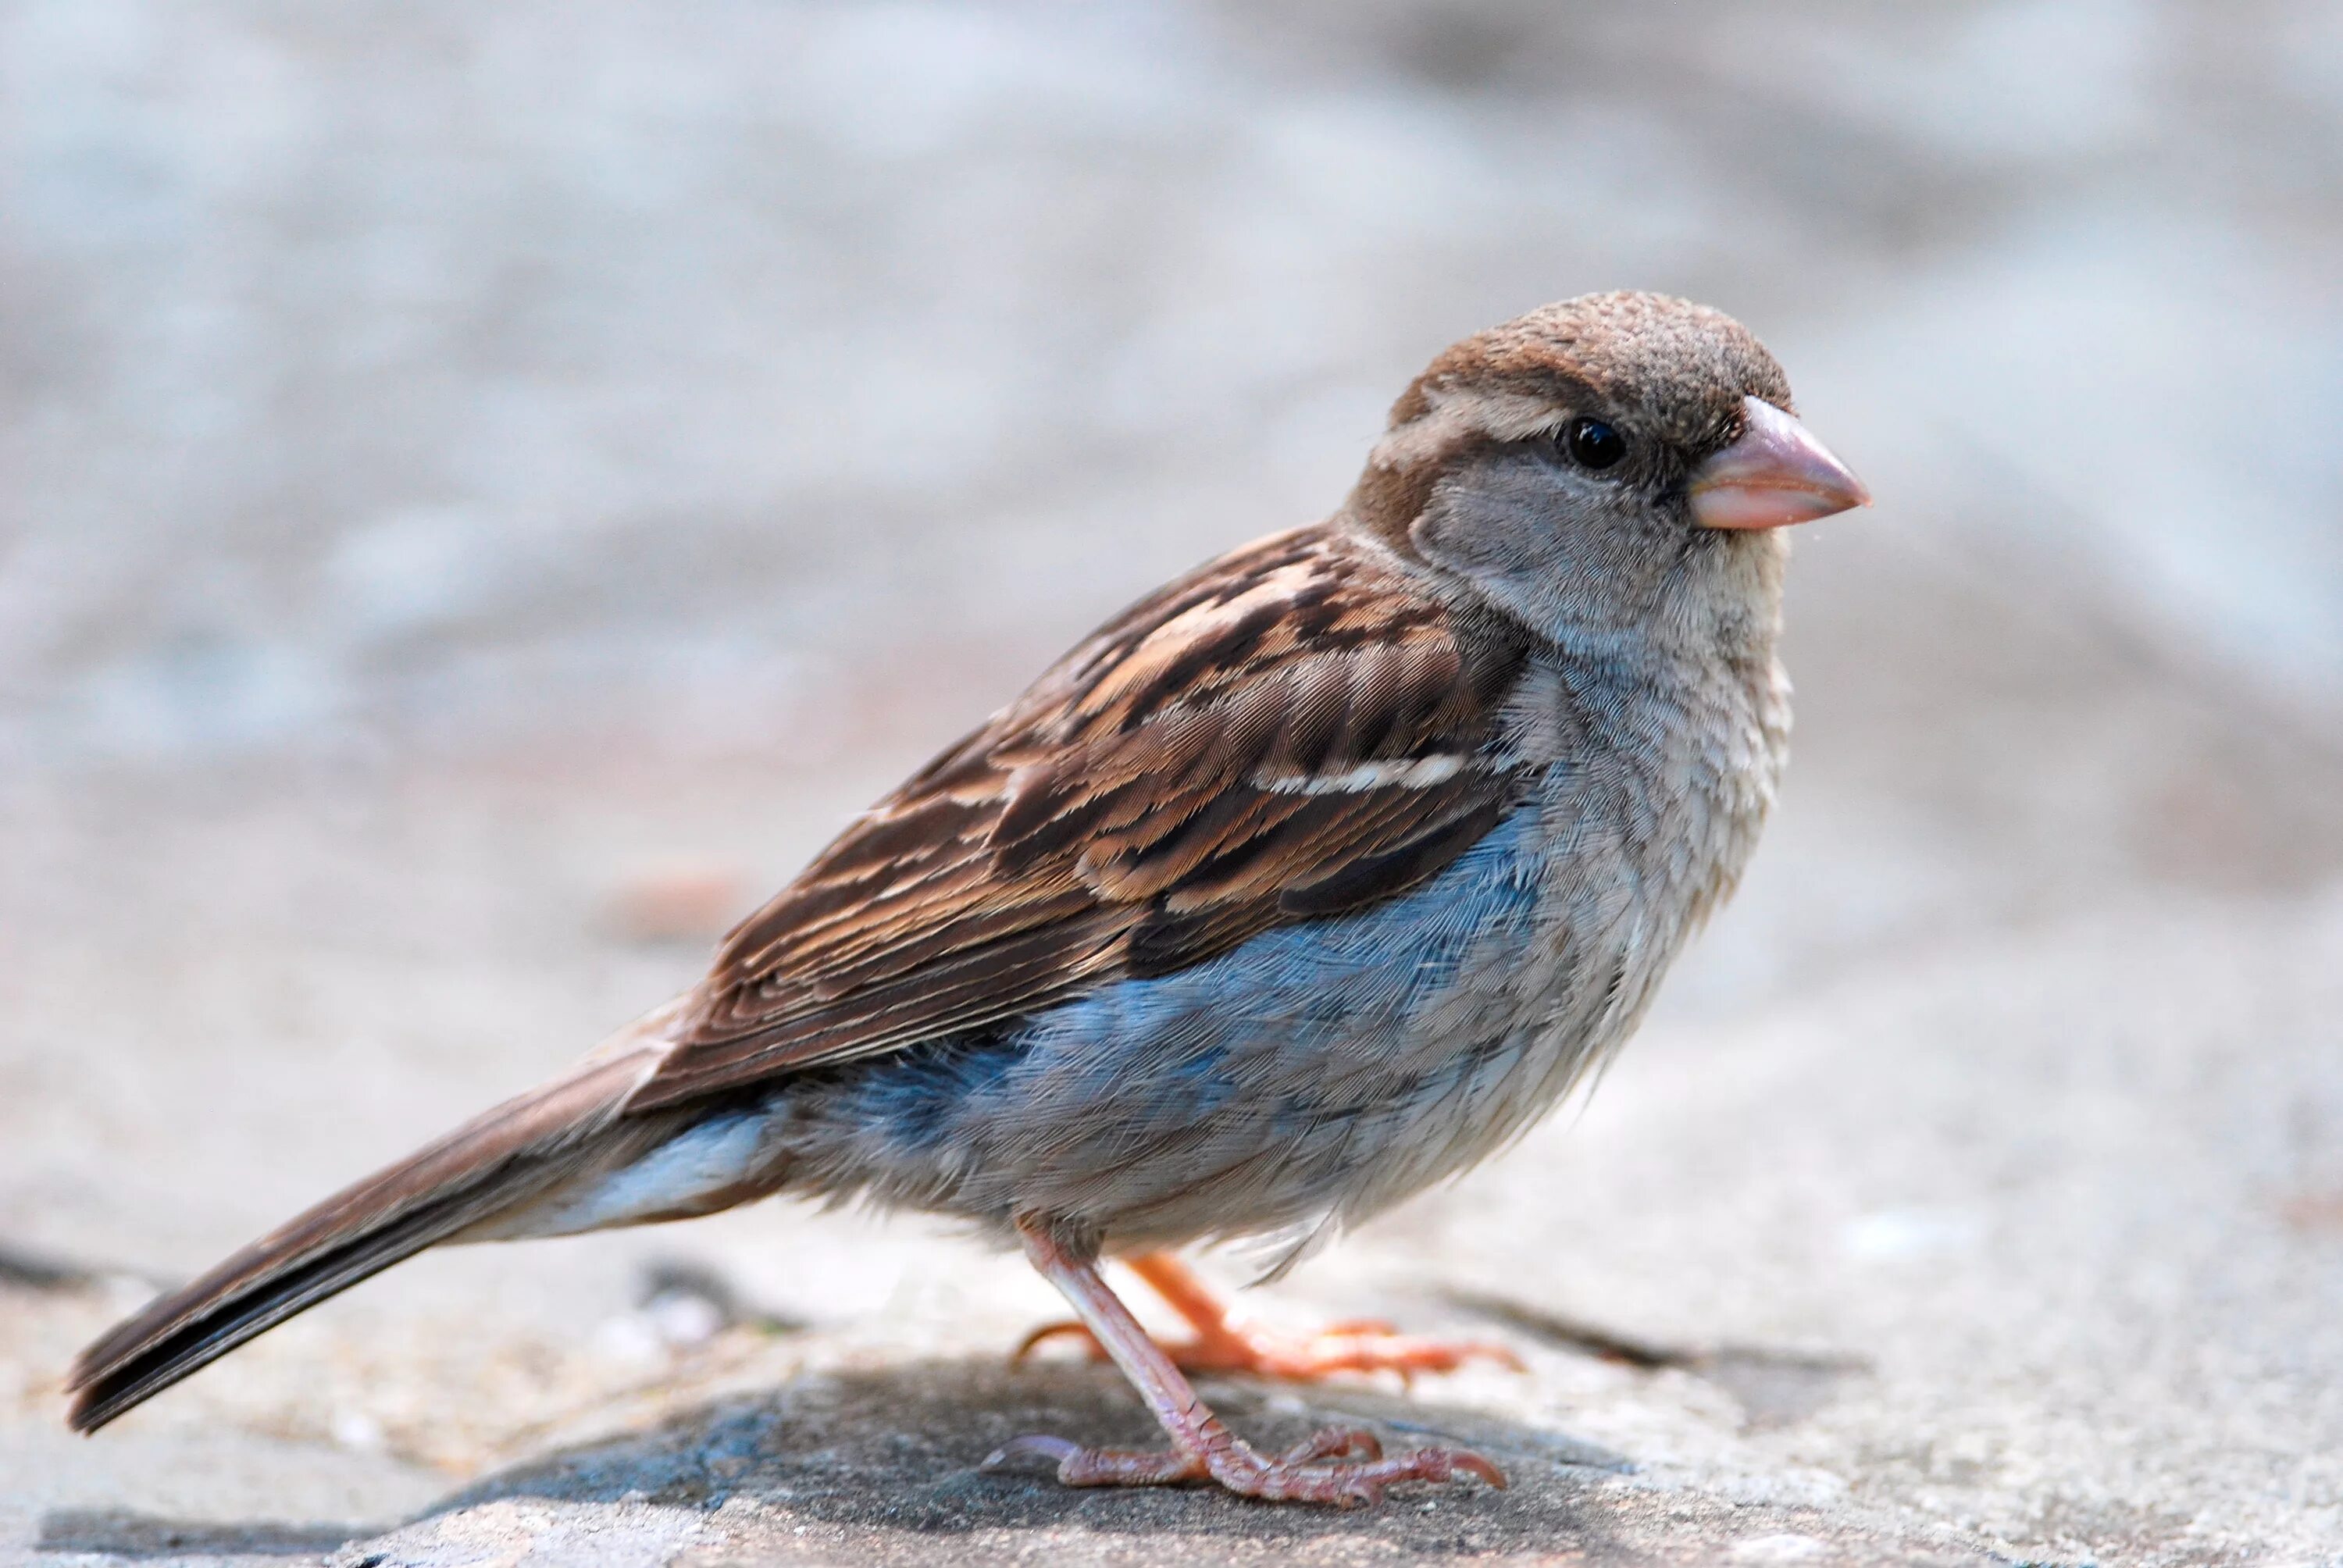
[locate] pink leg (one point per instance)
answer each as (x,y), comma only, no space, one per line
(1322,1470)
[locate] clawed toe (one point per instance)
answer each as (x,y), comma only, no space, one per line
(1223,1343)
(1335,1443)
(1032,1445)
(1362,1484)
(1363,1346)
(1346,1348)
(1343,1467)
(1080,1466)
(1064,1328)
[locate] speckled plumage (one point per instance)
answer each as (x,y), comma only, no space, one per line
(1307,881)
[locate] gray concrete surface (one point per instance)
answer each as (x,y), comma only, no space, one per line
(488,490)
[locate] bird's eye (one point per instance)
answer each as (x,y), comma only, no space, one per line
(1591,444)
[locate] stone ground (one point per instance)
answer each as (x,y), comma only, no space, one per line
(490,488)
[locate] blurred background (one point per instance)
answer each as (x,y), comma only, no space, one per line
(485,490)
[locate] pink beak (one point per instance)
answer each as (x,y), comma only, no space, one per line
(1777,473)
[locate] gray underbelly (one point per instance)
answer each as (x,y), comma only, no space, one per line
(1321,1071)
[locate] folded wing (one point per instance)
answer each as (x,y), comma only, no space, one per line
(1292,731)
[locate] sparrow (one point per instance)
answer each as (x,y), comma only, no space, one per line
(1305,882)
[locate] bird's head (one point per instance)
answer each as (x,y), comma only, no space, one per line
(1601,462)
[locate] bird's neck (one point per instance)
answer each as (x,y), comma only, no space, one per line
(1719,604)
(1689,682)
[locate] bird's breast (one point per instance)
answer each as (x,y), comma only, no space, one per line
(1647,807)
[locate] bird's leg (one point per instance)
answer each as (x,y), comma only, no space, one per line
(1343,1466)
(1225,1342)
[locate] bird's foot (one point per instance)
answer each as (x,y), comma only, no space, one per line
(1343,1466)
(1362,1345)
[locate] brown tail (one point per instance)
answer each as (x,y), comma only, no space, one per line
(492,1166)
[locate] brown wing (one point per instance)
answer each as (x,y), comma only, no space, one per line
(1292,731)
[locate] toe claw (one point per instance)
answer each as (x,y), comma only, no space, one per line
(1064,1329)
(1343,1466)
(1032,1445)
(1453,1461)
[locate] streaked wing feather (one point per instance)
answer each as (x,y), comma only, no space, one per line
(1292,731)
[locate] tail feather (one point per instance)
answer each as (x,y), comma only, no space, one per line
(499,1162)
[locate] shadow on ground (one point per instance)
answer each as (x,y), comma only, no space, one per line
(884,1464)
(900,1448)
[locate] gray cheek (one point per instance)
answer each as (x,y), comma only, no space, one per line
(1572,556)
(1514,534)
(1494,516)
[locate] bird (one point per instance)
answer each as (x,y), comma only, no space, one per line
(1311,880)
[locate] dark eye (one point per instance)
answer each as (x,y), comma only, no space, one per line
(1591,444)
